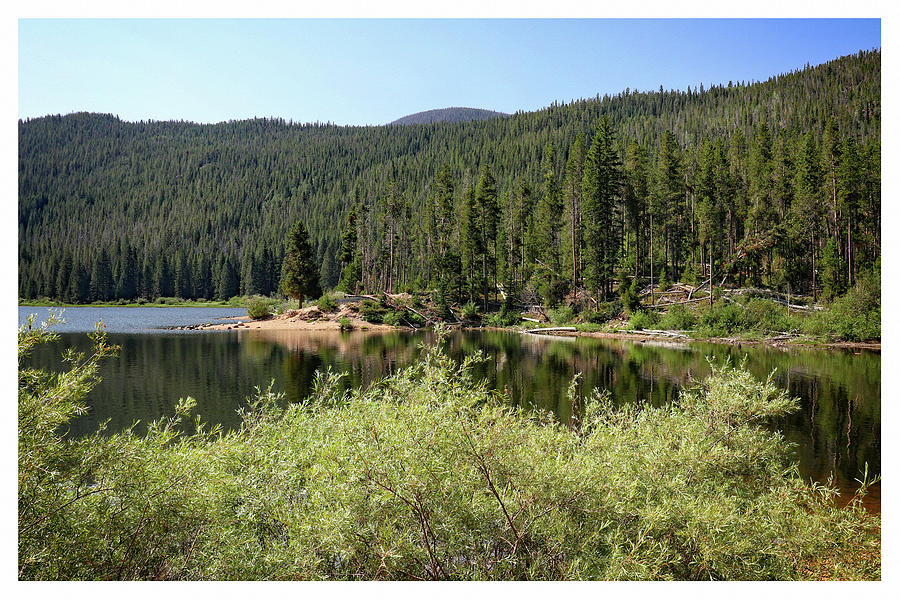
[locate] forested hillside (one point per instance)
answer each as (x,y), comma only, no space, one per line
(454,114)
(775,183)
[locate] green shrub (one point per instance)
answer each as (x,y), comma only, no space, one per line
(258,308)
(345,324)
(642,320)
(502,319)
(373,312)
(689,274)
(664,282)
(630,296)
(326,303)
(562,315)
(677,317)
(424,475)
(469,311)
(856,316)
(394,318)
(606,311)
(721,319)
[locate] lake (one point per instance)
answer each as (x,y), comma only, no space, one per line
(837,430)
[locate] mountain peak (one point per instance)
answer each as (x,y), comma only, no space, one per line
(454,114)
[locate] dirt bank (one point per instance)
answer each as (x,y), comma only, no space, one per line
(308,319)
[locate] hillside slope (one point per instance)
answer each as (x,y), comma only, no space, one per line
(217,200)
(454,114)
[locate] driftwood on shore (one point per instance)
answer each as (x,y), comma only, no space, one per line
(772,295)
(548,329)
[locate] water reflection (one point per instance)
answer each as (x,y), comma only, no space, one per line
(836,431)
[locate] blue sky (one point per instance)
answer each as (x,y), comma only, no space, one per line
(356,72)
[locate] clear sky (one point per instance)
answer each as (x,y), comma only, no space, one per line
(356,72)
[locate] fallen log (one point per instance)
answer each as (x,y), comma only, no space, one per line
(540,329)
(664,332)
(704,299)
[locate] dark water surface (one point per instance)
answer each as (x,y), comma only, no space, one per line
(838,429)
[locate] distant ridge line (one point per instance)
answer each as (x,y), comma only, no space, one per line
(453,114)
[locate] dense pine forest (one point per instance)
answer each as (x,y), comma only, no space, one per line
(773,183)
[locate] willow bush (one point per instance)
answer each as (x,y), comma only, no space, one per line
(427,474)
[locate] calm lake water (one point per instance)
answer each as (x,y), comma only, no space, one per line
(837,430)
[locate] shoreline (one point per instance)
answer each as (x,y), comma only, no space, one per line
(297,323)
(300,321)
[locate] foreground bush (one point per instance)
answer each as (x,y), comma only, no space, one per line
(259,308)
(424,475)
(856,316)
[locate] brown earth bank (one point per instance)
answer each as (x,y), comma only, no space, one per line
(305,319)
(312,318)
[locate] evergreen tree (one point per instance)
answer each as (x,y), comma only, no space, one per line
(203,278)
(551,284)
(229,282)
(601,190)
(349,259)
(162,279)
(472,244)
(63,277)
(637,190)
(488,208)
(807,208)
(573,197)
(81,283)
(668,190)
(832,271)
(101,286)
(181,277)
(299,275)
(126,284)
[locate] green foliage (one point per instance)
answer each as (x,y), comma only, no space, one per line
(373,312)
(787,177)
(394,317)
(502,319)
(689,274)
(856,316)
(833,271)
(630,295)
(345,324)
(721,319)
(677,317)
(259,308)
(469,311)
(642,320)
(605,311)
(299,272)
(562,315)
(326,303)
(747,315)
(424,475)
(664,282)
